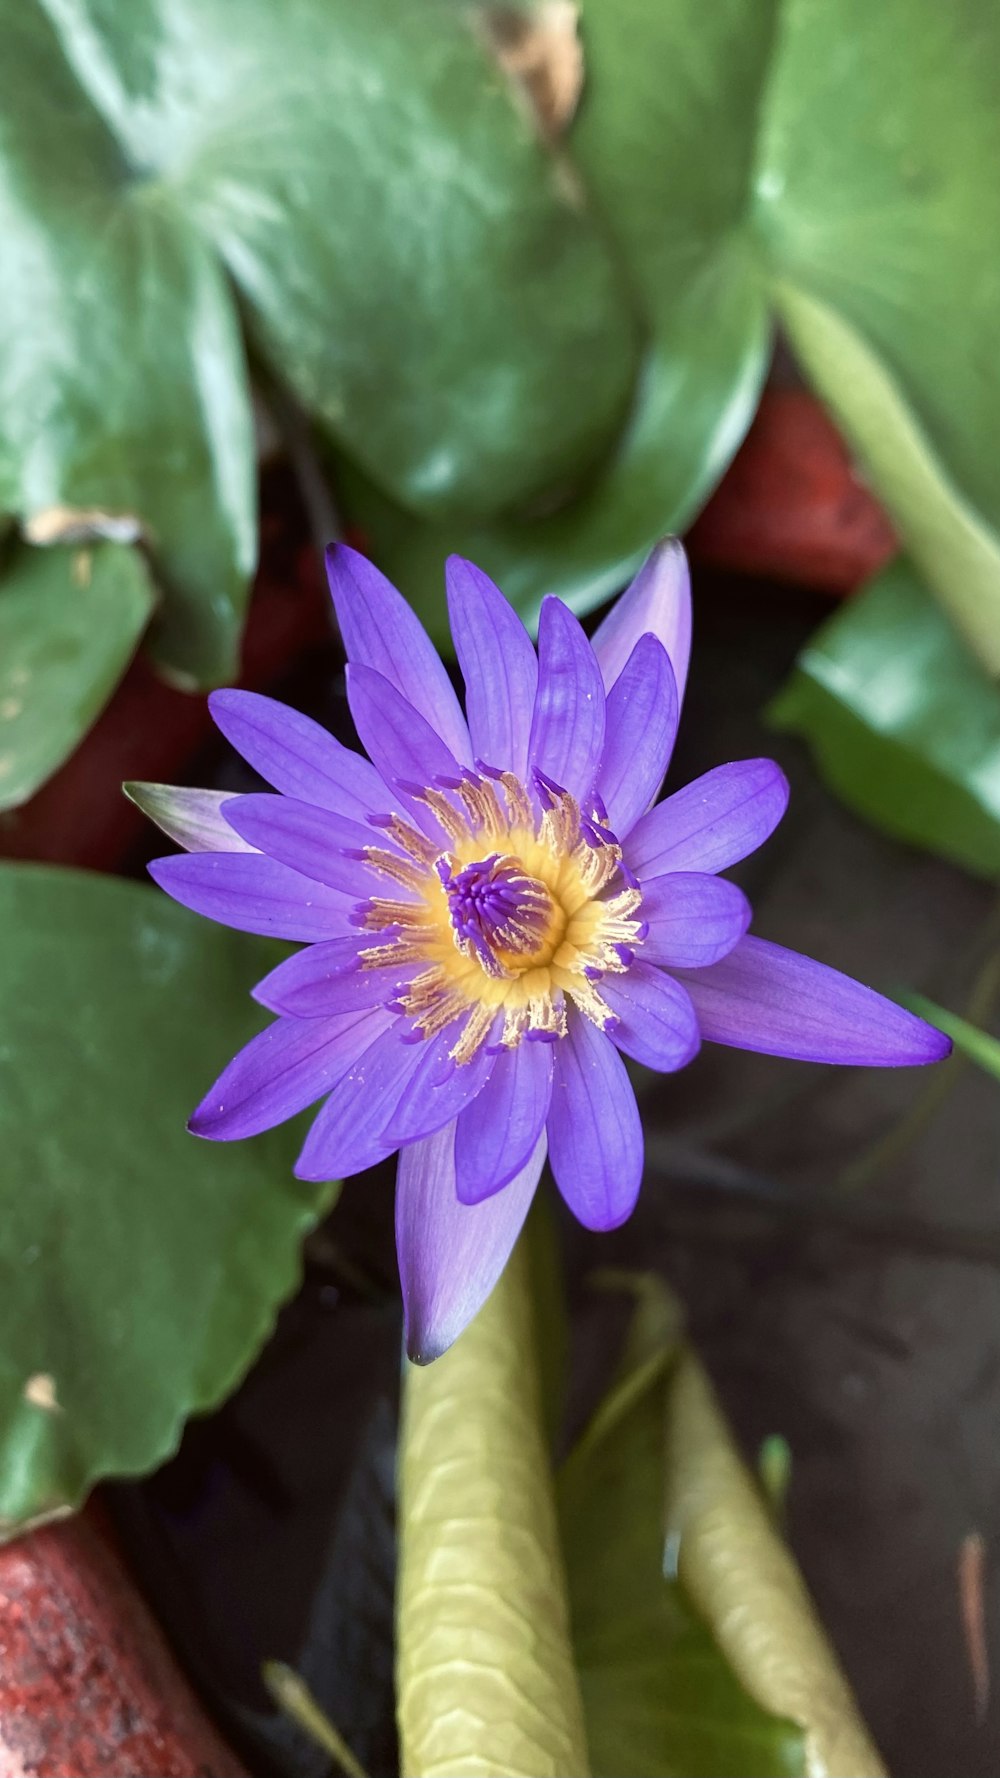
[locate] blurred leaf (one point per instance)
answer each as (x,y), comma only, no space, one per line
(69,623)
(904,723)
(742,1579)
(485,1677)
(879,209)
(832,162)
(408,256)
(978,1045)
(659,1698)
(141,1269)
(122,381)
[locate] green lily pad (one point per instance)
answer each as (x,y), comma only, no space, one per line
(122,381)
(408,256)
(142,1269)
(667,162)
(826,164)
(70,621)
(903,722)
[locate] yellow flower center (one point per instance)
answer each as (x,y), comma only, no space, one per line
(514,914)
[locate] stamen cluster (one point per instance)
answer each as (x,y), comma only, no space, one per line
(526,905)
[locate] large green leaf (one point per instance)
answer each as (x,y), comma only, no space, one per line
(69,623)
(659,1697)
(830,162)
(122,383)
(141,1269)
(485,1678)
(409,257)
(904,723)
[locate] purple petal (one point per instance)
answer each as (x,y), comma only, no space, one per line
(297,756)
(763,997)
(693,919)
(658,602)
(314,841)
(381,631)
(404,747)
(254,894)
(327,979)
(191,817)
(642,727)
(567,728)
(498,665)
(439,1088)
(281,1071)
(451,1254)
(496,1136)
(595,1135)
(657,1023)
(347,1135)
(711,823)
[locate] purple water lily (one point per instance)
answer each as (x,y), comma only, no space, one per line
(492,910)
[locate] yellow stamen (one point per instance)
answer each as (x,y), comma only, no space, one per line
(517,918)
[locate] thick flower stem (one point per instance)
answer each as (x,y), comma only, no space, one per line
(486,1686)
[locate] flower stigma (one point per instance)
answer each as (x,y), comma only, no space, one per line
(526,904)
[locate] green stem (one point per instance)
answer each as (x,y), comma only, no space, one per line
(486,1686)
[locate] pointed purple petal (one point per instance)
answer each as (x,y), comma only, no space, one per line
(404,747)
(314,841)
(381,631)
(193,818)
(496,1136)
(567,728)
(498,665)
(595,1135)
(657,1023)
(642,727)
(658,601)
(347,1135)
(713,822)
(451,1254)
(762,997)
(693,919)
(254,894)
(279,1072)
(297,756)
(439,1088)
(327,979)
